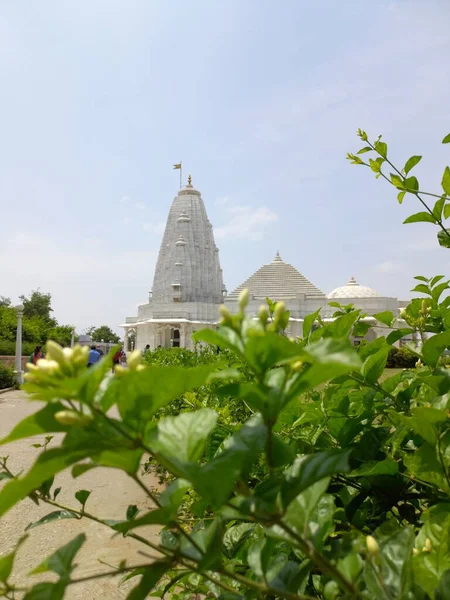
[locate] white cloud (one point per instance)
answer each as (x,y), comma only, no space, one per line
(246,223)
(158,227)
(388,267)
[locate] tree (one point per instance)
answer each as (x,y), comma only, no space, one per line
(38,304)
(104,333)
(4,301)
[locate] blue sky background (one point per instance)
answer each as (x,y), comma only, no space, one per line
(260,99)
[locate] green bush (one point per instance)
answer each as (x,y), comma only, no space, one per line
(6,377)
(401,358)
(345,498)
(8,348)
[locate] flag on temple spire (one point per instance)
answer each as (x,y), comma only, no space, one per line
(177,166)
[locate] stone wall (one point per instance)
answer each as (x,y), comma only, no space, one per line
(10,361)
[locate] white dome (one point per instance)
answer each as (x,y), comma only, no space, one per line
(353,290)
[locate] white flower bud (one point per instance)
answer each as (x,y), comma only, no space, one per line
(134,359)
(68,354)
(47,366)
(297,366)
(280,307)
(263,314)
(243,300)
(71,417)
(55,352)
(428,547)
(372,545)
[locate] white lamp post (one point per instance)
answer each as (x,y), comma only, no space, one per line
(72,339)
(19,372)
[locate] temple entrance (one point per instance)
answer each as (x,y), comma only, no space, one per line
(175,337)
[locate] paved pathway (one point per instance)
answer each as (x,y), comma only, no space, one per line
(112,492)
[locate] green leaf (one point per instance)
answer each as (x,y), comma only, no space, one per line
(446,181)
(444,238)
(386,317)
(446,140)
(425,465)
(364,150)
(40,422)
(442,591)
(259,554)
(438,207)
(212,546)
(224,337)
(182,439)
(400,197)
(447,210)
(397,334)
(422,278)
(308,322)
(373,468)
(264,352)
(158,516)
(381,148)
(139,395)
(436,292)
(434,347)
(410,163)
(5,475)
(60,562)
(396,180)
(235,537)
(217,478)
(392,578)
(411,184)
(56,515)
(420,217)
(132,511)
(435,280)
(311,512)
(47,591)
(374,365)
(174,493)
(82,496)
(7,561)
(422,289)
(430,567)
(307,470)
(151,575)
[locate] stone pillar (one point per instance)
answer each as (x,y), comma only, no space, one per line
(72,339)
(19,372)
(182,336)
(125,341)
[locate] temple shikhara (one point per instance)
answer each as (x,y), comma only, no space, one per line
(188,285)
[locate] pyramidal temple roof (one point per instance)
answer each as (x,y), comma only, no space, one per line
(188,268)
(277,280)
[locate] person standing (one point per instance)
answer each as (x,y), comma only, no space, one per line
(36,355)
(94,356)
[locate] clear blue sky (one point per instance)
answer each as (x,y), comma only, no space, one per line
(260,99)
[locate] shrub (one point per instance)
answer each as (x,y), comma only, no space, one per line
(401,358)
(8,348)
(6,377)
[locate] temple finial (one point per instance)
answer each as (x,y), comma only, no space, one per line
(189,180)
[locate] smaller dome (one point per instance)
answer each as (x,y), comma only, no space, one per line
(181,241)
(353,290)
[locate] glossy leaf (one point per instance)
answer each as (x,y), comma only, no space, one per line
(423,289)
(47,591)
(392,578)
(182,439)
(434,347)
(438,208)
(56,515)
(398,334)
(374,365)
(60,562)
(307,470)
(446,181)
(410,163)
(82,496)
(386,317)
(444,238)
(446,211)
(420,217)
(446,140)
(374,468)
